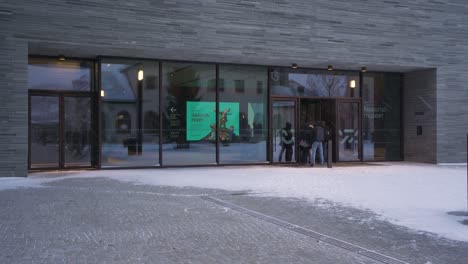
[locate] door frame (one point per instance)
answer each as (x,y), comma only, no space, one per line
(296,101)
(335,101)
(61,122)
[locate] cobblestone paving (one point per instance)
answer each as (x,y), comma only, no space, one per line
(359,227)
(105,221)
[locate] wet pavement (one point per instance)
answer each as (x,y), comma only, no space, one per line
(97,220)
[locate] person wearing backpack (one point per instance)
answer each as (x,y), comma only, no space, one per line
(318,138)
(286,142)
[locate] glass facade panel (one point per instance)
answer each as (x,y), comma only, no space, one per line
(44,131)
(348,131)
(284,117)
(381,118)
(77,125)
(130,113)
(314,83)
(189,113)
(51,74)
(243,120)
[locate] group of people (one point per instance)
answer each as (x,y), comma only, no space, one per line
(312,138)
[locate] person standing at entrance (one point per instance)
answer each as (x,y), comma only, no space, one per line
(286,142)
(325,141)
(318,138)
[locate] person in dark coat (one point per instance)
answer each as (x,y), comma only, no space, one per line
(286,142)
(318,138)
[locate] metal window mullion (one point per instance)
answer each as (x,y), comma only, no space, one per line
(217,113)
(361,117)
(269,119)
(29,131)
(160,114)
(99,113)
(61,109)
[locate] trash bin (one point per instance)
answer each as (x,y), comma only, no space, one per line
(131,144)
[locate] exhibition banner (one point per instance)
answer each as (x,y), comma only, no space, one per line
(201,119)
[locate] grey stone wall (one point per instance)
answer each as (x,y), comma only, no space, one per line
(420,109)
(452,112)
(13,101)
(395,35)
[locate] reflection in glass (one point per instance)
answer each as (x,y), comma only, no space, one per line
(381,123)
(284,112)
(189,115)
(44,132)
(123,143)
(77,131)
(316,83)
(51,74)
(348,131)
(242,114)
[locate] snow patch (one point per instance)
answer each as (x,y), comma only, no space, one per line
(417,196)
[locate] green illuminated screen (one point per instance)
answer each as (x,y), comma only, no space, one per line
(201,119)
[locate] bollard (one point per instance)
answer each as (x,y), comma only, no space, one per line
(329,156)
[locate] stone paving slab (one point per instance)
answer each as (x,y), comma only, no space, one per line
(105,221)
(360,227)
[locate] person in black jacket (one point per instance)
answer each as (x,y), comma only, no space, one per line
(286,142)
(318,138)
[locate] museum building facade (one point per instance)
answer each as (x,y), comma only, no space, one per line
(116,84)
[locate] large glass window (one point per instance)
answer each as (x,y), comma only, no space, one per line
(189,113)
(382,122)
(243,126)
(45,131)
(52,74)
(130,113)
(348,131)
(77,131)
(315,83)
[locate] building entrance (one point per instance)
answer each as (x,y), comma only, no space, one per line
(60,130)
(340,119)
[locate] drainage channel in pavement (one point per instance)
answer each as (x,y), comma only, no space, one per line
(307,232)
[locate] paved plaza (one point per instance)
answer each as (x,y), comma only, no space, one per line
(100,220)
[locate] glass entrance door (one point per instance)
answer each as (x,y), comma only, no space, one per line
(283,139)
(77,131)
(348,131)
(44,132)
(60,130)
(313,111)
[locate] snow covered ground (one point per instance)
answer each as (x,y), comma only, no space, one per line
(417,196)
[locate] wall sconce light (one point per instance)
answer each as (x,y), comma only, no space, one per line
(352,84)
(61,58)
(363,69)
(330,68)
(140,75)
(294,66)
(102,93)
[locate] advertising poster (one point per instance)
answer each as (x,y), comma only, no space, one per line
(201,119)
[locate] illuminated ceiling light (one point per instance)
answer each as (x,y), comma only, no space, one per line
(294,66)
(363,69)
(102,93)
(330,68)
(140,75)
(352,84)
(61,58)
